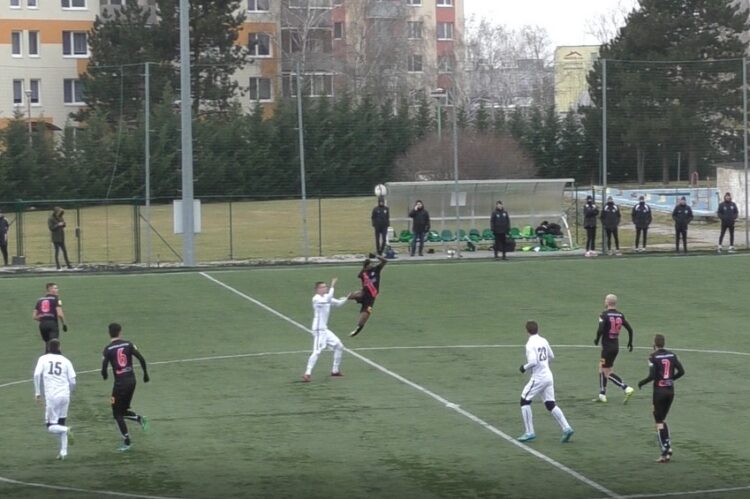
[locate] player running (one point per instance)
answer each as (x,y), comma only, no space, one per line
(324,337)
(47,311)
(611,321)
(119,353)
(538,355)
(54,374)
(664,370)
(370,277)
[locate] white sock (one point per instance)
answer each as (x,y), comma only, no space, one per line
(560,418)
(311,362)
(528,419)
(338,352)
(62,432)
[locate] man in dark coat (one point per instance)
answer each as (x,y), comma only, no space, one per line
(727,213)
(641,219)
(420,226)
(610,221)
(381,220)
(500,225)
(682,216)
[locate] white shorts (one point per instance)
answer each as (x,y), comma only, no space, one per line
(56,408)
(326,339)
(535,386)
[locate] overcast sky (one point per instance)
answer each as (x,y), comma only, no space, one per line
(565,21)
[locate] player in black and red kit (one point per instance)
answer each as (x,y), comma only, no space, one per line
(611,322)
(47,311)
(370,277)
(664,369)
(119,353)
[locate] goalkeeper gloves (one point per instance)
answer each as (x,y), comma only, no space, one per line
(65,328)
(522,369)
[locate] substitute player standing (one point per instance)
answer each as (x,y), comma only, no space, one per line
(47,311)
(54,374)
(538,355)
(322,336)
(370,277)
(119,353)
(611,322)
(664,369)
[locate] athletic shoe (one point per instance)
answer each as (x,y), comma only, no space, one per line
(618,253)
(123,448)
(566,435)
(601,398)
(665,458)
(718,249)
(628,393)
(145,423)
(306,378)
(61,456)
(731,249)
(526,437)
(338,374)
(71,438)
(354,333)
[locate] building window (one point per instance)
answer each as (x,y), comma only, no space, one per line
(32,4)
(415,63)
(15,4)
(445,3)
(34,43)
(312,4)
(258,5)
(316,85)
(338,30)
(414,30)
(73,91)
(291,41)
(445,31)
(73,4)
(446,64)
(338,2)
(17,91)
(259,44)
(35,86)
(15,44)
(75,43)
(260,89)
(414,2)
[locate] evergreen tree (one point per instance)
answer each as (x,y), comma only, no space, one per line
(482,119)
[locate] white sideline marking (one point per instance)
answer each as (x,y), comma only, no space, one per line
(448,404)
(688,493)
(86,491)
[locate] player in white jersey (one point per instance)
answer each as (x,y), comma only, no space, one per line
(324,337)
(538,355)
(54,374)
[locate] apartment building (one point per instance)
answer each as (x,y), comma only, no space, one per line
(43,49)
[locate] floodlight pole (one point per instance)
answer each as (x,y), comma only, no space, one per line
(303,182)
(744,138)
(604,144)
(455,175)
(186,121)
(147,160)
(28,112)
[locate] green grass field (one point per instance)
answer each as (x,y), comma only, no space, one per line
(230,417)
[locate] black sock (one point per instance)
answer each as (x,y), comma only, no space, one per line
(359,328)
(132,416)
(618,381)
(602,383)
(665,441)
(120,420)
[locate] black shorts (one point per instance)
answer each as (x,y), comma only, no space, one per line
(122,395)
(366,300)
(49,329)
(662,403)
(608,357)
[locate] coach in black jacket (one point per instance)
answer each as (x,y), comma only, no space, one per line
(420,226)
(381,220)
(641,219)
(611,220)
(500,225)
(682,216)
(590,214)
(727,213)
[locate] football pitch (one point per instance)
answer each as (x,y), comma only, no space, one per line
(428,406)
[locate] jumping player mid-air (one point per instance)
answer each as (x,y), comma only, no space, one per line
(370,277)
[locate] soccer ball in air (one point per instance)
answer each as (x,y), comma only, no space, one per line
(380,190)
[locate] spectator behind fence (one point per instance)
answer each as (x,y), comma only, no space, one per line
(420,226)
(641,219)
(500,225)
(727,213)
(4,226)
(590,214)
(610,221)
(56,224)
(381,220)
(682,216)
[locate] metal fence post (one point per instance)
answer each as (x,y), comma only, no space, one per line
(320,227)
(136,231)
(78,231)
(231,232)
